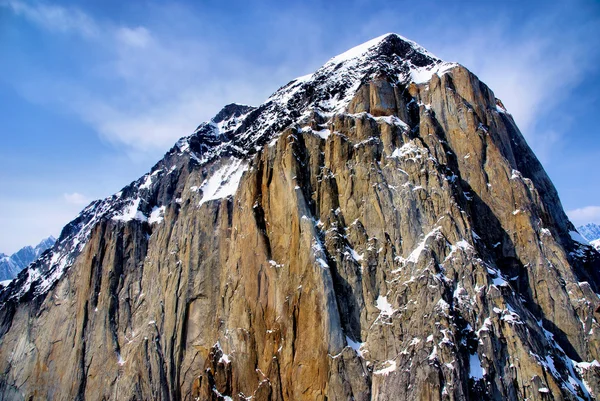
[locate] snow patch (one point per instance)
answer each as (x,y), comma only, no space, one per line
(157,215)
(131,212)
(420,75)
(324,133)
(223,182)
(358,258)
(416,253)
(390,366)
(384,306)
(323,263)
(408,149)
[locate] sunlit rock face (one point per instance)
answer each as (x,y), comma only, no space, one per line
(377,230)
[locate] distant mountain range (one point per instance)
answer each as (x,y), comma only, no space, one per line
(11,265)
(591,232)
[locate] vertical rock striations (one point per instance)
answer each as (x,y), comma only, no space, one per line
(378,230)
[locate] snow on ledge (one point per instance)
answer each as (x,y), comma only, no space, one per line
(384,306)
(157,215)
(391,367)
(131,212)
(421,75)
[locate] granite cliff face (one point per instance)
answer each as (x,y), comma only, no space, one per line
(378,230)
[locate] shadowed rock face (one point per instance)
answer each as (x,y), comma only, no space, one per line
(402,243)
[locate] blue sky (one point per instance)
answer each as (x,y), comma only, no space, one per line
(92,93)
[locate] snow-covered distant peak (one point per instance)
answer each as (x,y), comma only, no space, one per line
(10,266)
(45,244)
(590,231)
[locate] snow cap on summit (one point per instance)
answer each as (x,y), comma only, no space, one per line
(371,45)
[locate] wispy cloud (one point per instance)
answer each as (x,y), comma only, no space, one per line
(134,37)
(147,90)
(584,215)
(55,18)
(76,198)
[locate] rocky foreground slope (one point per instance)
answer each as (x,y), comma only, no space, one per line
(377,230)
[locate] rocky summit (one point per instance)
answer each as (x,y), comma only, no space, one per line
(377,230)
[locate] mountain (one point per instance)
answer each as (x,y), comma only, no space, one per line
(10,266)
(376,230)
(590,231)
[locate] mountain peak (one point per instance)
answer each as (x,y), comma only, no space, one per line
(240,130)
(231,110)
(590,231)
(385,202)
(390,44)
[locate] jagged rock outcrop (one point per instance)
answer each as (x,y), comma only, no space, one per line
(378,230)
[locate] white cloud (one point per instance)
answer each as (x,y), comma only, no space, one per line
(135,37)
(55,18)
(584,215)
(76,198)
(150,88)
(146,91)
